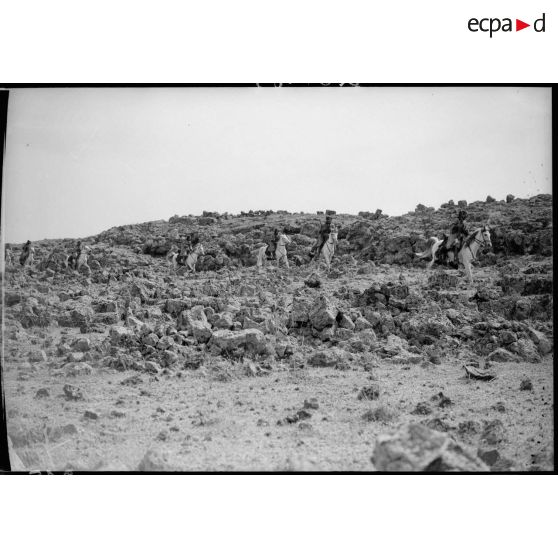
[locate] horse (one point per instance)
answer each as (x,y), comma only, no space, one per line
(478,238)
(328,249)
(171,257)
(81,260)
(281,250)
(260,254)
(192,258)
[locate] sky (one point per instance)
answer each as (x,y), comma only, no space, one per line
(79,161)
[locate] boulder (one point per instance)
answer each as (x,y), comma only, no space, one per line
(526,349)
(329,357)
(132,321)
(157,460)
(120,335)
(323,313)
(542,342)
(78,369)
(501,355)
(415,447)
(346,322)
(175,305)
(300,312)
(252,340)
(196,323)
(81,344)
(37,356)
(224,321)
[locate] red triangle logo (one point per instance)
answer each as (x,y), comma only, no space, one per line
(519,25)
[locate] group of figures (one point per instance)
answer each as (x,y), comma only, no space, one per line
(323,248)
(459,247)
(76,260)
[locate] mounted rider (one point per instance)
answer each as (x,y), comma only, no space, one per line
(458,233)
(184,250)
(73,258)
(272,244)
(323,236)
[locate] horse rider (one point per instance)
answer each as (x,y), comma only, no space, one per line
(459,232)
(272,244)
(184,249)
(25,253)
(323,236)
(73,258)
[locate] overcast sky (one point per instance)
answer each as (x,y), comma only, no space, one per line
(79,161)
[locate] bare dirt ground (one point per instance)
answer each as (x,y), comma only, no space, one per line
(219,417)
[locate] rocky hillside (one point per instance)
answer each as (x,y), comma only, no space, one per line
(519,227)
(377,309)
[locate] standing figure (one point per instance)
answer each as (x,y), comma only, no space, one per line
(26,256)
(281,250)
(323,236)
(8,257)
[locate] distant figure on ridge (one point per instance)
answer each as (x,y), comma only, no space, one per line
(27,254)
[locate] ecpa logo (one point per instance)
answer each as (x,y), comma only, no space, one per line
(494,24)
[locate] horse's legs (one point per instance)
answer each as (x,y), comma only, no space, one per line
(468,271)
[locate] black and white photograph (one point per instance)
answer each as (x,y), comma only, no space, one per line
(278,278)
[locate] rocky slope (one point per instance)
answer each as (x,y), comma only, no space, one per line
(377,347)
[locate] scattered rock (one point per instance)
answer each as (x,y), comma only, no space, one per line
(493,432)
(526,385)
(490,457)
(380,413)
(311,403)
(422,408)
(82,344)
(313,281)
(37,356)
(441,400)
(415,447)
(73,393)
(42,393)
(156,460)
(152,367)
(502,355)
(369,393)
(335,357)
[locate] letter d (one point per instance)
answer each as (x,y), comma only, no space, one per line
(535,25)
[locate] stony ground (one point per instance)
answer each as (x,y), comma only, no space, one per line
(231,370)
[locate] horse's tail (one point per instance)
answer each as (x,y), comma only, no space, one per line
(432,241)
